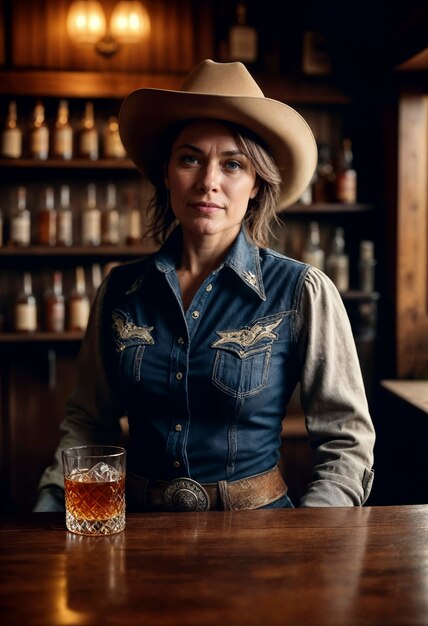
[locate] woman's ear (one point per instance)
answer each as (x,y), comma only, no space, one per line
(254,191)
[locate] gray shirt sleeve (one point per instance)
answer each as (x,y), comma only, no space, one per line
(333,398)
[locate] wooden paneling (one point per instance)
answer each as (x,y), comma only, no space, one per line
(31,432)
(83,84)
(412,238)
(170,47)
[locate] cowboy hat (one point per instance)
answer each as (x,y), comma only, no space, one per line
(220,91)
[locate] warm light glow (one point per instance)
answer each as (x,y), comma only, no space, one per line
(129,22)
(86,22)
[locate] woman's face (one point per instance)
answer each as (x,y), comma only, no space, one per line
(210,180)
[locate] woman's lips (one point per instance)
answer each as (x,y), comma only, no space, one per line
(205,207)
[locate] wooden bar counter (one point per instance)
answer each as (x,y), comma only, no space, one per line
(331,566)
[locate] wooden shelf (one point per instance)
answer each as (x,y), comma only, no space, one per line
(13,337)
(327,207)
(110,251)
(360,296)
(116,85)
(86,164)
(72,84)
(302,91)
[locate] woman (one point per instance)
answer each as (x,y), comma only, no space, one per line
(202,344)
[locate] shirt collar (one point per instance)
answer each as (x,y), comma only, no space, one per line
(243,259)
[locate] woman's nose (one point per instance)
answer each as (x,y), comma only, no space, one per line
(208,179)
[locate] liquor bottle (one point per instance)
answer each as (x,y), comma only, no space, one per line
(88,135)
(63,133)
(307,196)
(337,262)
(325,178)
(113,146)
(39,134)
(11,143)
(242,38)
(110,223)
(346,176)
(91,219)
(55,306)
(78,303)
(132,221)
(25,309)
(64,218)
(313,254)
(366,267)
(96,279)
(47,220)
(20,222)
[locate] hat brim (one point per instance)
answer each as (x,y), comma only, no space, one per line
(146,113)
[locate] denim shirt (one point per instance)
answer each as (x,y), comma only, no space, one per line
(205,390)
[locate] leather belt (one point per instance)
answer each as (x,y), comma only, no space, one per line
(186,494)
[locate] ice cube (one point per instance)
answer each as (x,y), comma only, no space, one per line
(80,475)
(102,472)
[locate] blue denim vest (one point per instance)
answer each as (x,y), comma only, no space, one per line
(206,389)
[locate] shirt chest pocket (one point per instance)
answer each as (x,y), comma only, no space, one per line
(243,356)
(239,373)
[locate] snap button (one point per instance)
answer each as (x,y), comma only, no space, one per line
(176,464)
(195,315)
(178,428)
(209,287)
(179,375)
(180,341)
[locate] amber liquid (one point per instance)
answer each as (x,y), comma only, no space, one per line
(96,500)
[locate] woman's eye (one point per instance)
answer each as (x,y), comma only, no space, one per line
(233,165)
(187,159)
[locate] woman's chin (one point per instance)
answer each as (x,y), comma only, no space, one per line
(208,228)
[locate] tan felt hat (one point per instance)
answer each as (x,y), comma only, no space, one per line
(220,91)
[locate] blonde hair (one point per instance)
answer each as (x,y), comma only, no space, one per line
(261,212)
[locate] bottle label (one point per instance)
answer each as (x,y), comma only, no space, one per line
(26,316)
(91,227)
(65,228)
(366,276)
(20,232)
(314,258)
(79,313)
(338,271)
(63,143)
(346,190)
(39,146)
(134,225)
(57,316)
(12,143)
(88,145)
(111,227)
(243,43)
(46,228)
(113,147)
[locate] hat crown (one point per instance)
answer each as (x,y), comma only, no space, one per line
(222,79)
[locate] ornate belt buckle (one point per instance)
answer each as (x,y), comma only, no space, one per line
(185,494)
